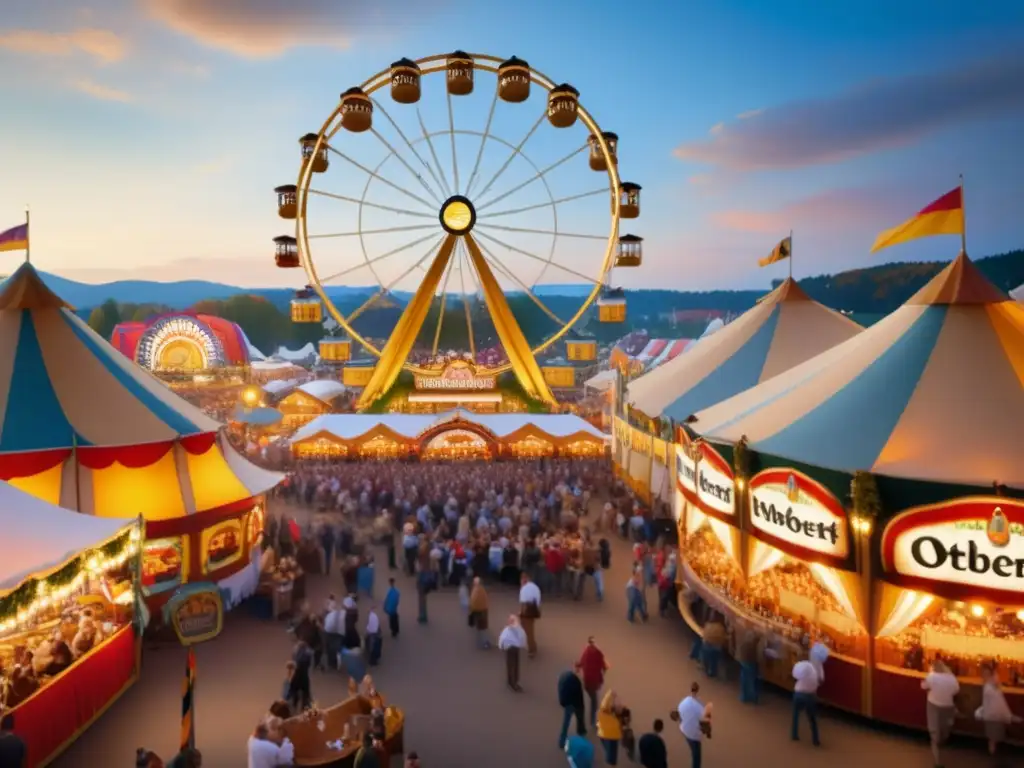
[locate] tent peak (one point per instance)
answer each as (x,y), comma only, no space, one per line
(25,289)
(961,282)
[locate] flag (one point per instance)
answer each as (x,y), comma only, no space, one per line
(188,727)
(15,238)
(779,252)
(943,217)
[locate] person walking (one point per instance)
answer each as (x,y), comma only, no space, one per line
(609,727)
(333,633)
(636,599)
(994,711)
(713,644)
(328,542)
(570,699)
(391,606)
(13,751)
(940,707)
(694,718)
(809,676)
(478,613)
(529,611)
(374,638)
(592,665)
(300,694)
(424,585)
(580,752)
(746,655)
(651,749)
(512,641)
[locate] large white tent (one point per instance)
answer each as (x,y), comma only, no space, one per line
(39,537)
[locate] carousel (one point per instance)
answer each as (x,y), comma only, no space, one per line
(459,216)
(87,429)
(783,330)
(873,499)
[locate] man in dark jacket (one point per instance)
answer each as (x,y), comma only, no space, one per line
(570,699)
(651,748)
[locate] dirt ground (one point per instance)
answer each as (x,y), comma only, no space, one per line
(459,712)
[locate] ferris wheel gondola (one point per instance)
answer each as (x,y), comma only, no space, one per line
(455,231)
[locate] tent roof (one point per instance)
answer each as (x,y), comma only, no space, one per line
(62,385)
(38,537)
(933,392)
(1018,293)
(784,329)
(351,426)
(324,390)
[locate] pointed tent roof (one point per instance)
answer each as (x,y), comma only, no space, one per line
(933,392)
(785,328)
(62,385)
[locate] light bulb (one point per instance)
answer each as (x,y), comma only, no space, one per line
(977,611)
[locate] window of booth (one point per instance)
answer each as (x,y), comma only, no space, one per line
(531,448)
(64,617)
(222,545)
(320,449)
(711,552)
(459,444)
(381,447)
(164,564)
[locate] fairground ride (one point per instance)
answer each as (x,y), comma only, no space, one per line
(451,232)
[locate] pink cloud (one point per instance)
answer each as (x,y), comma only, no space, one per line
(878,115)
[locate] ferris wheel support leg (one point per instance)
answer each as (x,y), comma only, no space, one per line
(516,347)
(403,338)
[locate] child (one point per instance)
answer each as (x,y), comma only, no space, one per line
(628,737)
(289,673)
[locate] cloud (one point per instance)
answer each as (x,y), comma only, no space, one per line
(878,115)
(104,46)
(245,272)
(99,91)
(267,28)
(838,211)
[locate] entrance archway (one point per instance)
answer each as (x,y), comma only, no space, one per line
(457,440)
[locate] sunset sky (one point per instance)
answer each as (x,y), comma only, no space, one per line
(147,135)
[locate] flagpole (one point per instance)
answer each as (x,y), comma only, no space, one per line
(790,254)
(28,238)
(963,216)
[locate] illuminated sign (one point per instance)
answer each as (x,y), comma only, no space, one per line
(959,549)
(791,511)
(686,467)
(458,375)
(706,476)
(196,612)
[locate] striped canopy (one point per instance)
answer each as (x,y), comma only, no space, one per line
(62,386)
(784,329)
(933,392)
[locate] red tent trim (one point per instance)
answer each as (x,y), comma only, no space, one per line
(15,465)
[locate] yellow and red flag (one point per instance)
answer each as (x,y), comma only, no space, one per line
(943,217)
(15,238)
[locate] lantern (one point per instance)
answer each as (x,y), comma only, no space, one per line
(630,251)
(356,110)
(514,80)
(335,350)
(563,105)
(286,252)
(611,306)
(286,208)
(460,73)
(405,81)
(597,161)
(306,307)
(308,144)
(629,200)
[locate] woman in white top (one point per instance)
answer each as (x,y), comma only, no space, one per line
(942,687)
(994,711)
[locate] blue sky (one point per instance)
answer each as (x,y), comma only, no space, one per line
(147,136)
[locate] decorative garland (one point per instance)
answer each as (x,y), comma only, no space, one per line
(22,598)
(864,494)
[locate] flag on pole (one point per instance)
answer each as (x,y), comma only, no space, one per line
(779,252)
(943,217)
(15,238)
(188,732)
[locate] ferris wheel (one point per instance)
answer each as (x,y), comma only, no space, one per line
(503,195)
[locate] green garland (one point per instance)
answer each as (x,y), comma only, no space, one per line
(25,595)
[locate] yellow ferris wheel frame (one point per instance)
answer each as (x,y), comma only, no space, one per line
(433,65)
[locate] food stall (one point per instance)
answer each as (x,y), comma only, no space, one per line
(854,467)
(68,644)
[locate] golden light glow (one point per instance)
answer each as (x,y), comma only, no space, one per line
(457,216)
(977,611)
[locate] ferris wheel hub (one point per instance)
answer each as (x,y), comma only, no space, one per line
(457,215)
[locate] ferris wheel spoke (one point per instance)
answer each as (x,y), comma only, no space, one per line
(500,266)
(385,290)
(465,304)
(375,259)
(411,146)
(483,143)
(441,310)
(385,231)
(357,201)
(433,154)
(517,150)
(409,168)
(380,178)
(451,132)
(548,204)
(535,257)
(538,176)
(552,232)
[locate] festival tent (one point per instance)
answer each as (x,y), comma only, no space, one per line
(933,392)
(84,427)
(602,381)
(650,356)
(305,356)
(324,390)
